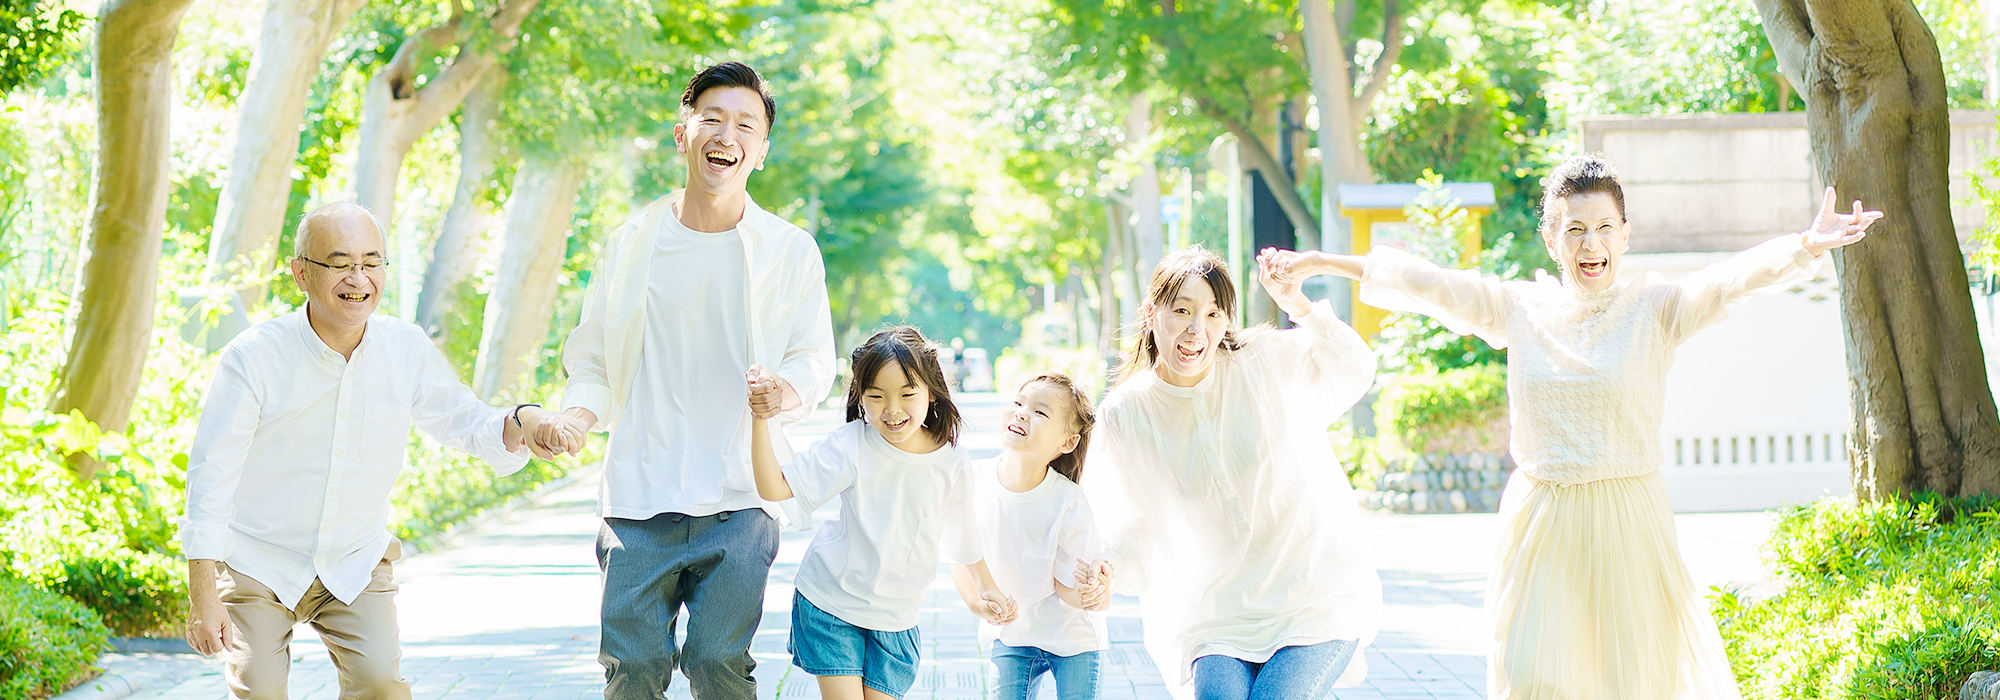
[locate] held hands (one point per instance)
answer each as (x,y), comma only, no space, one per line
(1093,584)
(548,434)
(1831,230)
(767,395)
(1283,272)
(996,607)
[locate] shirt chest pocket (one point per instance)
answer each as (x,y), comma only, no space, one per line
(924,550)
(385,433)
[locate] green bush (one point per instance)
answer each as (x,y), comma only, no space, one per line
(139,594)
(47,641)
(1895,599)
(1456,410)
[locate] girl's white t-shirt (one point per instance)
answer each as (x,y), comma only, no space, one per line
(899,512)
(1034,539)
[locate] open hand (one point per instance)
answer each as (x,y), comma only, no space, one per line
(767,396)
(1832,230)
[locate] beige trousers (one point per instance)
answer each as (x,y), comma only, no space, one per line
(361,637)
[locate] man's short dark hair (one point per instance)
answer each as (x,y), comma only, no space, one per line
(726,75)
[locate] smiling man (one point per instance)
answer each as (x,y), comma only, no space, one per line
(302,436)
(695,289)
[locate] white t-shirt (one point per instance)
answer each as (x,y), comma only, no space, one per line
(870,565)
(683,445)
(1033,540)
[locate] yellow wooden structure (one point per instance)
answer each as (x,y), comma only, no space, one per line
(1368,205)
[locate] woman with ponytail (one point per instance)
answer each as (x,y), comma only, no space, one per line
(1223,506)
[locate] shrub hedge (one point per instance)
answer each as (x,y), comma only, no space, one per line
(1893,599)
(1456,410)
(47,641)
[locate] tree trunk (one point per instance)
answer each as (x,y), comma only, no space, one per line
(107,353)
(252,204)
(1341,114)
(471,215)
(1874,87)
(519,309)
(395,112)
(1145,187)
(1108,306)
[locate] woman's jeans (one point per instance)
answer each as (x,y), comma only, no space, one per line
(1294,673)
(1021,670)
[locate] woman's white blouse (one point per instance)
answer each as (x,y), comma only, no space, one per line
(1032,540)
(898,512)
(1586,372)
(1225,509)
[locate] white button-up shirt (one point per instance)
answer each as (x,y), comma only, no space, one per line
(298,449)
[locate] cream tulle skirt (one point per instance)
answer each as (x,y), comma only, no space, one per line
(1590,600)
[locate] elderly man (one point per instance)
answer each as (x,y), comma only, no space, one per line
(690,294)
(301,439)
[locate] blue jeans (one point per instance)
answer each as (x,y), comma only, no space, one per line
(1021,670)
(716,566)
(1294,673)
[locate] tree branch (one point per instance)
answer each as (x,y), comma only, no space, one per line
(1392,49)
(402,69)
(1785,25)
(1282,185)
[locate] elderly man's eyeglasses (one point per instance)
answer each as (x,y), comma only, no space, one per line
(369,266)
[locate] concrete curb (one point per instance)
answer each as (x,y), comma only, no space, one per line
(109,686)
(150,645)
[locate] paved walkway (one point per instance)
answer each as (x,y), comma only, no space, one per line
(509,610)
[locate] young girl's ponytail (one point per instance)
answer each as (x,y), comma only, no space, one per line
(1082,418)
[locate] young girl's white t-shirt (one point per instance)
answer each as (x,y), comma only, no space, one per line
(1034,539)
(899,512)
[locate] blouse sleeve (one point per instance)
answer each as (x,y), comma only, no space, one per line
(1703,299)
(1323,359)
(1121,522)
(825,469)
(1467,303)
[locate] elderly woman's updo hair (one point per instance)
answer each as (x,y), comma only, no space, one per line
(1583,174)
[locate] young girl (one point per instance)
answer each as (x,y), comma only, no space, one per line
(1035,523)
(905,489)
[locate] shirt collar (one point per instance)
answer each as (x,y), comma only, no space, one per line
(874,438)
(317,348)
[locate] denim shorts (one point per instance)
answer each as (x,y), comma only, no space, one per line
(824,645)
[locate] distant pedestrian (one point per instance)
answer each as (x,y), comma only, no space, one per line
(1223,506)
(302,435)
(1041,544)
(1589,596)
(905,502)
(689,294)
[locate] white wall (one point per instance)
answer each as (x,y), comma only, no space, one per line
(1746,396)
(1723,182)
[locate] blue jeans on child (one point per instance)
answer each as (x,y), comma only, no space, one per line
(1021,670)
(1294,673)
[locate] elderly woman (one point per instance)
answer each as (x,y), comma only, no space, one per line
(1221,501)
(1588,594)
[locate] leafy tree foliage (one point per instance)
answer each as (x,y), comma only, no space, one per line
(35,37)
